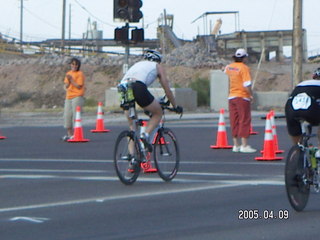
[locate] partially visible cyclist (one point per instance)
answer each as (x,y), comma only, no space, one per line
(141,75)
(304,103)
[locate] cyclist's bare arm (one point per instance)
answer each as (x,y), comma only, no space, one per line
(165,84)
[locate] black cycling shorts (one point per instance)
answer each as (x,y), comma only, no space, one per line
(293,117)
(141,94)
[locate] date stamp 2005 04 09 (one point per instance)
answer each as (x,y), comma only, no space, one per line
(254,214)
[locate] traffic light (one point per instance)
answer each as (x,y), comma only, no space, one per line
(137,35)
(134,10)
(120,9)
(127,10)
(121,34)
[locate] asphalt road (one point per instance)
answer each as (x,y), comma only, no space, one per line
(66,191)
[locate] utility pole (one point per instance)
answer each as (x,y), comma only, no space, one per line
(63,24)
(70,25)
(21,24)
(297,46)
(127,54)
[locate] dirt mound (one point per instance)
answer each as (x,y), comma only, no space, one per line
(29,82)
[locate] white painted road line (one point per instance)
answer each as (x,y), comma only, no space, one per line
(28,170)
(29,219)
(217,185)
(273,163)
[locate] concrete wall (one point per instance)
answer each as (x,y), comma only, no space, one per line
(219,87)
(185,97)
(269,100)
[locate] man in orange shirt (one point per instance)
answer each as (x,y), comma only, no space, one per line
(74,87)
(240,98)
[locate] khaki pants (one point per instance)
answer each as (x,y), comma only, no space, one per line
(70,106)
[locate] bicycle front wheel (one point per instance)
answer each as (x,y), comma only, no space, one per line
(166,154)
(126,158)
(296,179)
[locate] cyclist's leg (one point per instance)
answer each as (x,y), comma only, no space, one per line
(293,124)
(147,101)
(155,109)
(130,122)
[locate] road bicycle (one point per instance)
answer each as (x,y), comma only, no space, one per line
(302,170)
(131,155)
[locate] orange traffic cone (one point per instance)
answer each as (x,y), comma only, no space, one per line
(2,137)
(274,132)
(78,131)
(268,147)
(222,139)
(99,122)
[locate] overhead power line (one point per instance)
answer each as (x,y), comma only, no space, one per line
(41,19)
(92,15)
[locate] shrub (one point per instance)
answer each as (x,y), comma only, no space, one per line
(202,87)
(90,102)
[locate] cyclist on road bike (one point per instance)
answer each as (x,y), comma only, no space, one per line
(141,75)
(304,103)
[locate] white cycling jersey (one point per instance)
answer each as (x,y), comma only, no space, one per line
(311,82)
(143,71)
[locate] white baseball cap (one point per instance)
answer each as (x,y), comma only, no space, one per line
(241,53)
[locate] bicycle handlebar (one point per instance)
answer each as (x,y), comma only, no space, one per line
(165,105)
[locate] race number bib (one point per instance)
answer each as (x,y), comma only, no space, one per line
(301,101)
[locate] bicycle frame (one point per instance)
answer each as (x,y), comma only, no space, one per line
(306,135)
(131,155)
(137,127)
(301,170)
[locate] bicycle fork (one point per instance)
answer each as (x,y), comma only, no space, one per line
(316,177)
(311,173)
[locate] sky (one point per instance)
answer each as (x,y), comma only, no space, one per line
(42,19)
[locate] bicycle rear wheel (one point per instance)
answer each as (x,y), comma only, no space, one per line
(166,154)
(126,158)
(296,179)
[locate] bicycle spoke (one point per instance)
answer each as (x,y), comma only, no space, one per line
(297,178)
(166,154)
(126,160)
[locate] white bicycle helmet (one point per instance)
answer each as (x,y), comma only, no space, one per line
(316,74)
(152,55)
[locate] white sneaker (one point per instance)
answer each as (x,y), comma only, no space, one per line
(236,148)
(247,149)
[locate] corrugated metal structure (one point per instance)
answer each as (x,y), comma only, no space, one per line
(258,41)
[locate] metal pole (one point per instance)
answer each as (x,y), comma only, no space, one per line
(297,51)
(63,24)
(127,52)
(21,24)
(69,27)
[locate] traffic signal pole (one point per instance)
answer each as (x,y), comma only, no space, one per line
(126,56)
(127,11)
